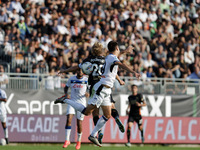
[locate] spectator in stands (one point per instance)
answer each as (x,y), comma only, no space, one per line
(144,25)
(160,54)
(24,31)
(25,45)
(14,15)
(61,29)
(176,67)
(3,17)
(8,48)
(38,55)
(3,78)
(189,55)
(195,74)
(149,62)
(46,16)
(17,6)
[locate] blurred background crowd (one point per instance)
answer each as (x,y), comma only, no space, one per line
(44,36)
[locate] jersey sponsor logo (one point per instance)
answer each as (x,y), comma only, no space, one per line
(77,85)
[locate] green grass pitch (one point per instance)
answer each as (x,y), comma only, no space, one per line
(91,147)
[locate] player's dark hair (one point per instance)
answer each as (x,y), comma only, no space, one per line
(133,86)
(112,46)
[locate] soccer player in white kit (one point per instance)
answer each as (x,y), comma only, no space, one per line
(102,90)
(78,85)
(3,114)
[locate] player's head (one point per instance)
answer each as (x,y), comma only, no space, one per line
(113,46)
(134,89)
(79,73)
(97,49)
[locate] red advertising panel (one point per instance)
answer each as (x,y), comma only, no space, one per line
(51,128)
(156,130)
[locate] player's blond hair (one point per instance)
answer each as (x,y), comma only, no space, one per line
(97,49)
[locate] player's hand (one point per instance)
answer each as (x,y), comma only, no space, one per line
(129,49)
(138,104)
(121,82)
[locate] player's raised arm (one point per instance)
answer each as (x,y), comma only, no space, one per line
(128,50)
(124,66)
(71,69)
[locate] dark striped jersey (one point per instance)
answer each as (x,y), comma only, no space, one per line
(98,65)
(135,110)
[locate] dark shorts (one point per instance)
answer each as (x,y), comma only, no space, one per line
(137,119)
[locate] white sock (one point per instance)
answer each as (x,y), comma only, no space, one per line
(75,105)
(79,137)
(5,132)
(99,125)
(67,132)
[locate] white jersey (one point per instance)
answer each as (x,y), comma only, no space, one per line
(110,70)
(78,88)
(2,103)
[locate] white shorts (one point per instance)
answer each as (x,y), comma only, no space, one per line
(3,118)
(101,96)
(71,110)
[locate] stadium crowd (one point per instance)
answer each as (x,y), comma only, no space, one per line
(165,34)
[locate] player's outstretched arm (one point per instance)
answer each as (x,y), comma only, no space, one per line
(125,67)
(128,50)
(71,69)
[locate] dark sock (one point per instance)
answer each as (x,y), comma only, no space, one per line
(95,119)
(7,142)
(128,134)
(114,113)
(141,133)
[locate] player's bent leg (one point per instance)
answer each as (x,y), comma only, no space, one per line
(60,99)
(89,109)
(95,115)
(115,115)
(77,106)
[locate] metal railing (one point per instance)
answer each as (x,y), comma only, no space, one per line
(148,86)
